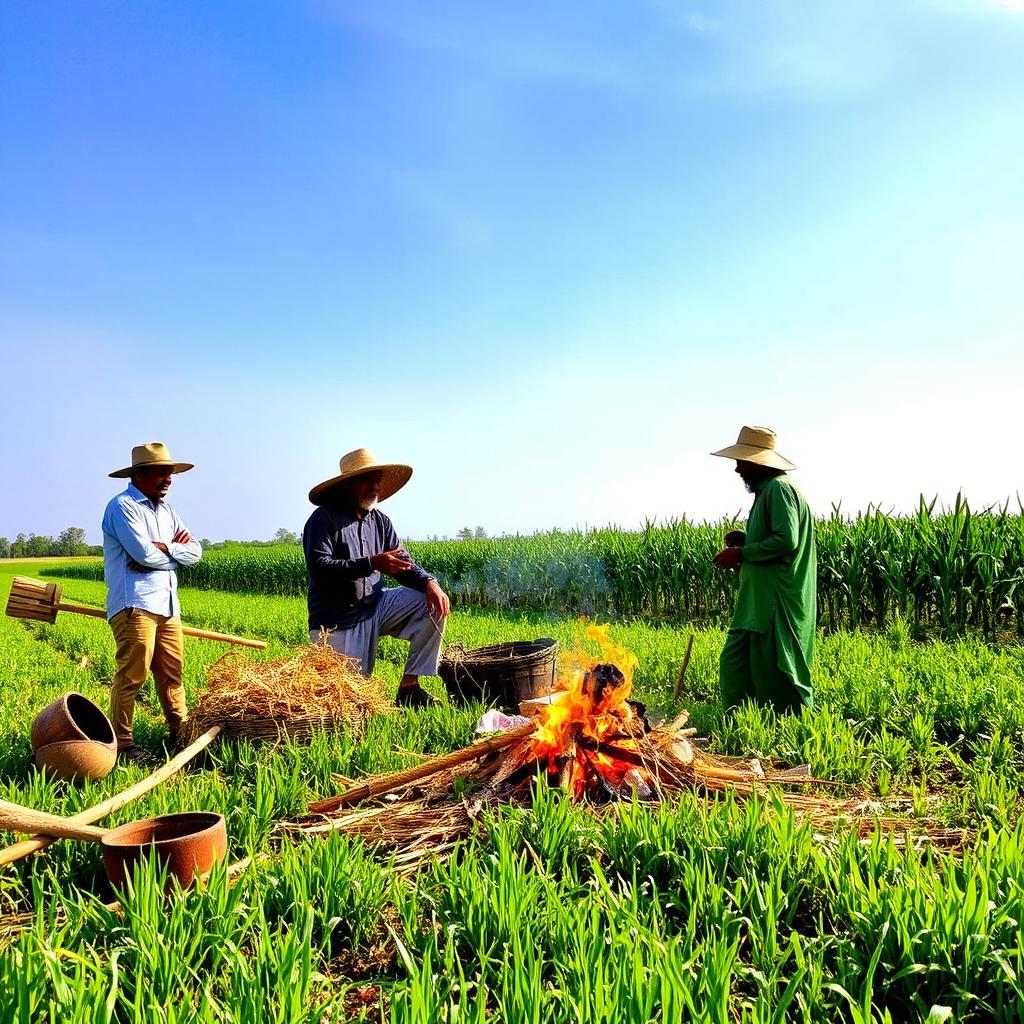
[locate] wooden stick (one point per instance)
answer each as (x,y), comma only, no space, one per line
(228,638)
(33,599)
(16,818)
(682,670)
(203,634)
(17,851)
(381,784)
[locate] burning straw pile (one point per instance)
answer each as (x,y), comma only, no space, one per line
(314,688)
(590,740)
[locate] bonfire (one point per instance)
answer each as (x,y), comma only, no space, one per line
(590,740)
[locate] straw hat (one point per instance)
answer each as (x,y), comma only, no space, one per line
(152,453)
(757,445)
(394,475)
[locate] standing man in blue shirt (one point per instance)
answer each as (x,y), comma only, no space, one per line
(350,545)
(144,542)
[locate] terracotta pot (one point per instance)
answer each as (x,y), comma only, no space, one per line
(71,716)
(77,759)
(189,843)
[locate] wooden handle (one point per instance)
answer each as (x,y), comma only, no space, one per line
(228,638)
(81,609)
(16,818)
(682,670)
(203,634)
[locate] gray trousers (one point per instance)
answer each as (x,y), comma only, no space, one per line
(400,612)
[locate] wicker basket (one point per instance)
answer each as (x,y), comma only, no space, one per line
(299,729)
(502,674)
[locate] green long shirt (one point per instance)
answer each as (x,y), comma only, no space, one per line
(778,575)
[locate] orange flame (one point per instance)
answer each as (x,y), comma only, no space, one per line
(589,704)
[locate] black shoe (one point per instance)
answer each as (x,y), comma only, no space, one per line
(414,697)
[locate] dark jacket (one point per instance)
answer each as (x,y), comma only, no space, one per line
(343,587)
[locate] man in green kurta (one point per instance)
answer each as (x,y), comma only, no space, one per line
(770,646)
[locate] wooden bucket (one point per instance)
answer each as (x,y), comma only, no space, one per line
(501,674)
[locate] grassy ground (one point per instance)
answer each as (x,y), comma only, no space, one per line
(683,912)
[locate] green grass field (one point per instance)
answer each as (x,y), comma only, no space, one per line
(690,911)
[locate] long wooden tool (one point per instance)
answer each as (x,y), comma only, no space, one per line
(16,851)
(381,784)
(34,599)
(16,818)
(682,670)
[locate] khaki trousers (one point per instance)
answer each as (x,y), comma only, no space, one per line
(146,641)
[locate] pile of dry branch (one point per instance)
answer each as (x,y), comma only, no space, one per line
(314,688)
(591,741)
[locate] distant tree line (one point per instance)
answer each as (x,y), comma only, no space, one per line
(282,536)
(68,543)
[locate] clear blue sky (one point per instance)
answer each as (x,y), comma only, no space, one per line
(550,254)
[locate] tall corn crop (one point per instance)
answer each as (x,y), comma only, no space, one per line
(951,569)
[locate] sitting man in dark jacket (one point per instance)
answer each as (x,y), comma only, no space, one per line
(348,545)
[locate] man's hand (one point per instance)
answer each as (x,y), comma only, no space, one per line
(438,605)
(390,562)
(134,566)
(181,537)
(729,558)
(735,539)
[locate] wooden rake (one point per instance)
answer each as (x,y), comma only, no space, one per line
(34,599)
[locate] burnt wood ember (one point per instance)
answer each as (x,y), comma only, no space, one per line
(640,710)
(600,679)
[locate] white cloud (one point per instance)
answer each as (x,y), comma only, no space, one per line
(802,49)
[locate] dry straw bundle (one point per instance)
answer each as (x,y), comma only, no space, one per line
(314,688)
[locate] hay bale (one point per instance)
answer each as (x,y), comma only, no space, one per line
(314,688)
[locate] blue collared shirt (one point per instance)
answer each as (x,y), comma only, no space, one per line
(131,523)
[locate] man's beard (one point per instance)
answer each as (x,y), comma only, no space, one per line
(368,506)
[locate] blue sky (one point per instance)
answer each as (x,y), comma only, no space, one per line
(550,254)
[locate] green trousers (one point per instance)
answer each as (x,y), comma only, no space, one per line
(767,668)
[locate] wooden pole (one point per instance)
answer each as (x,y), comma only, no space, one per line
(16,818)
(381,784)
(33,599)
(16,851)
(203,634)
(682,670)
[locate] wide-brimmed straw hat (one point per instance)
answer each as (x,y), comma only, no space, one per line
(757,445)
(152,453)
(394,475)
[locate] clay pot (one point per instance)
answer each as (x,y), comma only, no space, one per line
(71,716)
(77,759)
(189,843)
